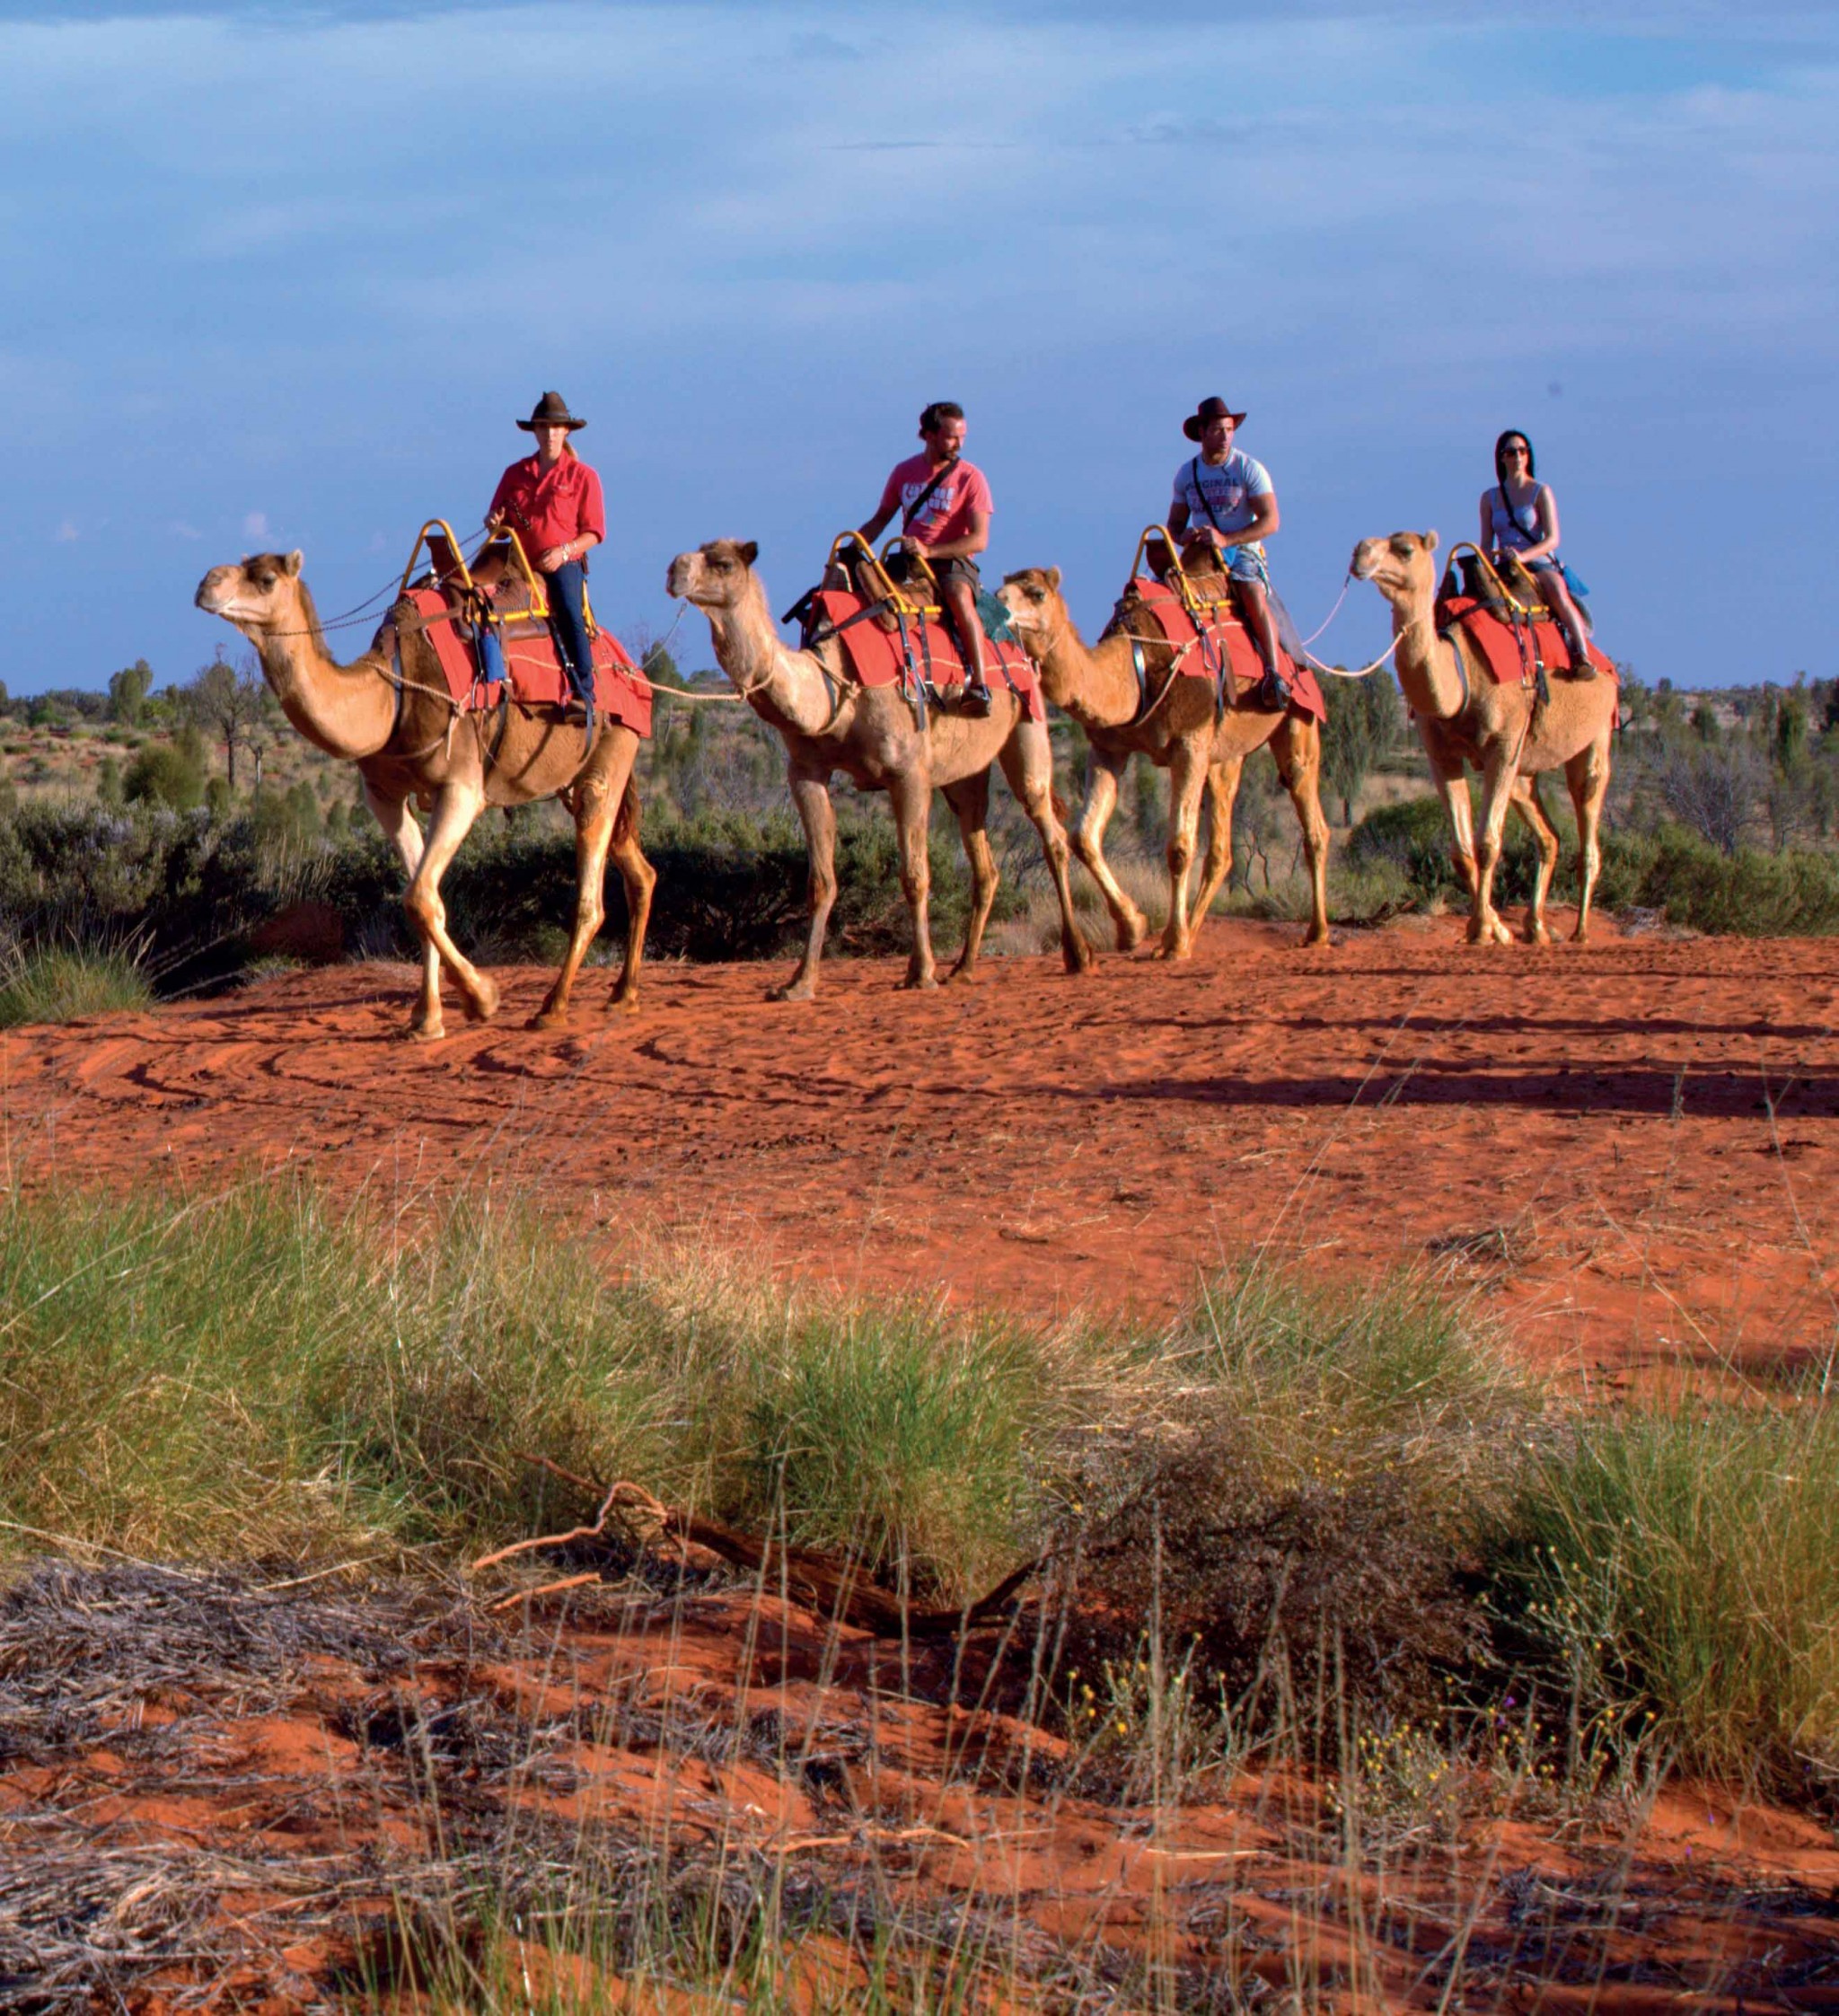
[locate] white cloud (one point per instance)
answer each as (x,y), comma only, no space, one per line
(65,533)
(180,528)
(256,526)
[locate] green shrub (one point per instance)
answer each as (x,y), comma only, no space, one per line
(1749,894)
(65,985)
(1689,1561)
(162,773)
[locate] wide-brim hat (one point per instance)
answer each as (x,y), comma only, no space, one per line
(1209,409)
(552,410)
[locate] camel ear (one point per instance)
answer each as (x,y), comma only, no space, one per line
(1429,541)
(1053,578)
(291,565)
(750,552)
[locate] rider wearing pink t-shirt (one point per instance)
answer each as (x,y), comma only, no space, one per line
(945,506)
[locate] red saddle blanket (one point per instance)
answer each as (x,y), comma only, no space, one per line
(876,657)
(532,670)
(1165,609)
(1501,651)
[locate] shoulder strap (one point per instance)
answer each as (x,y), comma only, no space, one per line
(1194,479)
(918,504)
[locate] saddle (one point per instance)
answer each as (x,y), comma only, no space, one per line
(1515,635)
(488,624)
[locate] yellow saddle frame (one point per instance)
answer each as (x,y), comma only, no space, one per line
(505,535)
(872,570)
(1205,611)
(1521,612)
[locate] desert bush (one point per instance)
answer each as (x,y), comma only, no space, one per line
(1748,894)
(1688,1559)
(164,774)
(64,984)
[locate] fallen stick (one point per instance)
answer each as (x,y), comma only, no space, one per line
(819,1581)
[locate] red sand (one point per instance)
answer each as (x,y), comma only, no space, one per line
(1631,1148)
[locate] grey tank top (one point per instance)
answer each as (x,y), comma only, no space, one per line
(1516,525)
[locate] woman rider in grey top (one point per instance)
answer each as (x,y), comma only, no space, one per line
(1519,515)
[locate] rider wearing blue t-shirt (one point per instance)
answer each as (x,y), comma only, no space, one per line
(1224,498)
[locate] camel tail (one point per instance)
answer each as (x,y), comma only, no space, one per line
(626,819)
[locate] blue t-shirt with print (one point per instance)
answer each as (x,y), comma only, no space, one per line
(1229,487)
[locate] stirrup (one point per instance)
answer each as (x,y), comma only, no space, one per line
(978,699)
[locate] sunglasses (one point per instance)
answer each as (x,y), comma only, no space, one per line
(1515,454)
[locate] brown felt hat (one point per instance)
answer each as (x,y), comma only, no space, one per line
(552,410)
(1211,409)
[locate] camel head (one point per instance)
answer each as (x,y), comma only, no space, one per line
(1400,567)
(1037,610)
(263,593)
(716,575)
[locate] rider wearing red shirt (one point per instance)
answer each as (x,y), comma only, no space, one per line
(945,503)
(553,498)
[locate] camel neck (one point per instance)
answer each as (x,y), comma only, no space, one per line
(1095,685)
(1428,671)
(347,710)
(765,674)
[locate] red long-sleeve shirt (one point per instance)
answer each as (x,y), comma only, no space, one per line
(549,506)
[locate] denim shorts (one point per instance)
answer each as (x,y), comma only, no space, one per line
(1246,563)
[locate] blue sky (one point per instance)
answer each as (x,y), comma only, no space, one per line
(283,275)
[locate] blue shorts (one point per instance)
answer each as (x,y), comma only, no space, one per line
(1246,563)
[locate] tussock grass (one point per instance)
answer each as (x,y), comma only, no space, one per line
(1686,1562)
(261,1372)
(65,983)
(264,1373)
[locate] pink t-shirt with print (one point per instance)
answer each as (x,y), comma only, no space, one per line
(946,513)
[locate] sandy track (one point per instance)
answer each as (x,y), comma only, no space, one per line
(1633,1149)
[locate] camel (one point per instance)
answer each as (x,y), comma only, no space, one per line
(411,742)
(830,722)
(1180,733)
(1462,714)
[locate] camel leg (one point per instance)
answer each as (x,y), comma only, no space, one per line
(456,806)
(1588,775)
(1453,788)
(640,878)
(970,799)
(817,815)
(597,795)
(1223,776)
(910,797)
(1498,780)
(1187,778)
(1027,762)
(1297,748)
(1531,807)
(1103,776)
(399,825)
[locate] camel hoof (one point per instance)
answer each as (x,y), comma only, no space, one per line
(1319,933)
(424,1032)
(548,1019)
(481,1007)
(1536,934)
(793,991)
(962,975)
(1131,933)
(1174,954)
(1077,956)
(926,983)
(623,1003)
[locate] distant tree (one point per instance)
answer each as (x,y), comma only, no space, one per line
(6,699)
(226,704)
(1363,726)
(1790,731)
(658,664)
(109,782)
(1705,721)
(127,692)
(219,797)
